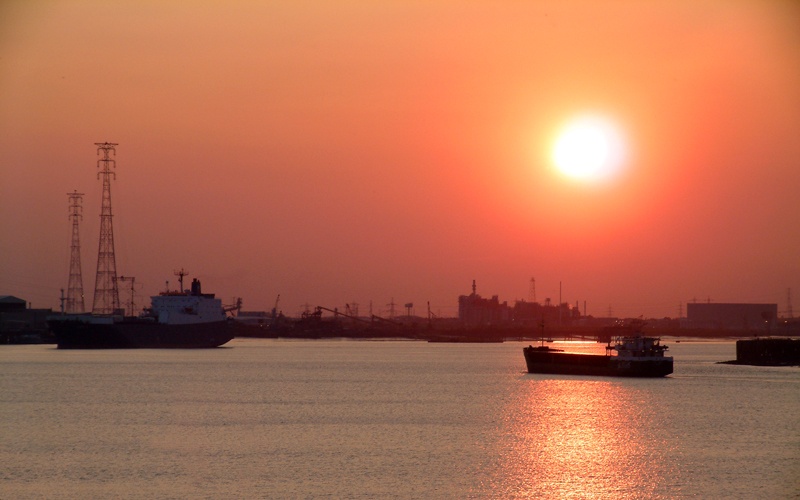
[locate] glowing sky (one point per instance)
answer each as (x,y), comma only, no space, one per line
(359,151)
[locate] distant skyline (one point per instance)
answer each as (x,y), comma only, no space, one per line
(357,152)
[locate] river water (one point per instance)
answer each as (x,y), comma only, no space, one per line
(390,419)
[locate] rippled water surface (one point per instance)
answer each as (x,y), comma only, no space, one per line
(347,419)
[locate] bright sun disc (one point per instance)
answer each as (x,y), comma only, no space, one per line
(588,148)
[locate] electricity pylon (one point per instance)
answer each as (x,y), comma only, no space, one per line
(106,293)
(75,303)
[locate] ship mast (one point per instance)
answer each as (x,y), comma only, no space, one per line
(180,274)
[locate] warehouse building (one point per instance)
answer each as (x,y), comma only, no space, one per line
(742,317)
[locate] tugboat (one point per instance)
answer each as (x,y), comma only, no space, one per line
(178,319)
(632,355)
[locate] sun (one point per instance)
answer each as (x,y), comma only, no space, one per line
(589,148)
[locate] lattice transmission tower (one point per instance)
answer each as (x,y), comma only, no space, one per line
(106,293)
(75,302)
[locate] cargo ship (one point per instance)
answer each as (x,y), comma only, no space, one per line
(176,319)
(626,356)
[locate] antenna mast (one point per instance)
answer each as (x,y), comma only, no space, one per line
(391,308)
(74,300)
(106,293)
(180,274)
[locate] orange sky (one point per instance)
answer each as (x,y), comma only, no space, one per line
(357,151)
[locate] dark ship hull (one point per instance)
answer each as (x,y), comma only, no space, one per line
(555,361)
(136,333)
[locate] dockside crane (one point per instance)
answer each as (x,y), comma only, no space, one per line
(275,308)
(132,302)
(236,306)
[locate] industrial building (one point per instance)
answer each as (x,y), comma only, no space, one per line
(20,325)
(741,317)
(474,310)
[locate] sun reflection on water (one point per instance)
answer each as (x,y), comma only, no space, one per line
(579,438)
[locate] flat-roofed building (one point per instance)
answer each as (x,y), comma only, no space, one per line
(731,316)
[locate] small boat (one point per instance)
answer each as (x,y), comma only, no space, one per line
(632,355)
(176,319)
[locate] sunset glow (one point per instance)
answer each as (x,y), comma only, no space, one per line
(562,428)
(589,149)
(391,152)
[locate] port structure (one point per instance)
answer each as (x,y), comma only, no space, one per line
(131,305)
(74,301)
(106,293)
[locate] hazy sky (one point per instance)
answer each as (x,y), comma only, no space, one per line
(361,151)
